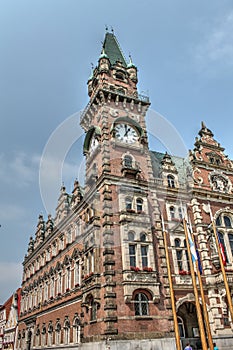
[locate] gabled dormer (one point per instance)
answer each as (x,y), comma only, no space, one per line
(212,170)
(208,150)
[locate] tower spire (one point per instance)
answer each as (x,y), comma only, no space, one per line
(112,49)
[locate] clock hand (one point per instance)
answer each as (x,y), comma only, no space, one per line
(126,131)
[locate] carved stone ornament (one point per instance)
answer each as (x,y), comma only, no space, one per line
(114,113)
(220,182)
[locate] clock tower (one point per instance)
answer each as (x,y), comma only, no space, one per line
(121,209)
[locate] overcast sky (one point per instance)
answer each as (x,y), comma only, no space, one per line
(184,53)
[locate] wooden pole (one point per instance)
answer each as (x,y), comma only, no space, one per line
(177,334)
(198,307)
(205,312)
(228,294)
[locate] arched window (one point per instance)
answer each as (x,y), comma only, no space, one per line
(67,332)
(141,305)
(230,237)
(128,161)
(142,237)
(131,236)
(58,333)
(139,203)
(128,203)
(172,212)
(218,221)
(50,334)
(76,331)
(227,221)
(181,327)
(37,336)
(179,254)
(171,181)
(43,336)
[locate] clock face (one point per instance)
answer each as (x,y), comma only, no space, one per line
(93,144)
(126,133)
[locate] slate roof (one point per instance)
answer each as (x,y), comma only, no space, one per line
(113,50)
(181,164)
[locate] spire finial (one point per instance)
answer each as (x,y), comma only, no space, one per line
(203,126)
(130,59)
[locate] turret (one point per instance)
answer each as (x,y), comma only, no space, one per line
(132,71)
(104,62)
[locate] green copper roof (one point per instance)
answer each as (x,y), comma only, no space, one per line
(112,49)
(182,165)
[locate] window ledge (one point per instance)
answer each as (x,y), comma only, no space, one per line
(93,321)
(143,318)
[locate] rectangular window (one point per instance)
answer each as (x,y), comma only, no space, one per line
(76,273)
(179,254)
(68,278)
(132,255)
(59,283)
(144,254)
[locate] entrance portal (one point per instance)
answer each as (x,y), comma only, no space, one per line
(188,325)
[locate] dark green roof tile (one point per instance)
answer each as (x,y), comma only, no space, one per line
(112,49)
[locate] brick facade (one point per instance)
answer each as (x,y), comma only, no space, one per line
(97,272)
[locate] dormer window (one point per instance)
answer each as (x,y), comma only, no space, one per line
(171,181)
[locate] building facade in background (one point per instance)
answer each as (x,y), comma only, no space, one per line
(95,276)
(9,313)
(11,327)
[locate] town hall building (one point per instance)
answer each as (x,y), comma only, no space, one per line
(96,275)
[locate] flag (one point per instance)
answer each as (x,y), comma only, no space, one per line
(198,258)
(222,251)
(197,252)
(192,246)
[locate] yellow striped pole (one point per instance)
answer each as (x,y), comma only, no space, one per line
(198,307)
(205,312)
(176,327)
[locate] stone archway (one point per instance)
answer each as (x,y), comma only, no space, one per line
(188,323)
